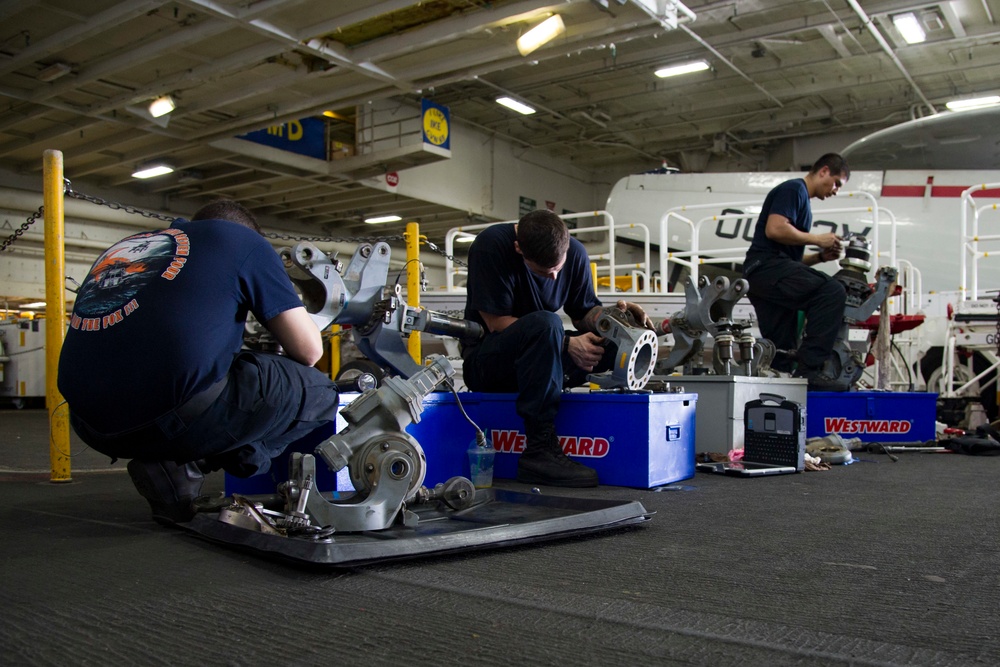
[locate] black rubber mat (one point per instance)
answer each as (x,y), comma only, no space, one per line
(498,518)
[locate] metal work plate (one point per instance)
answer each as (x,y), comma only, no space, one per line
(498,518)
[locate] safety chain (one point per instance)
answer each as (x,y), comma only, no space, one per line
(115,205)
(69,192)
(330,239)
(445,254)
(23,228)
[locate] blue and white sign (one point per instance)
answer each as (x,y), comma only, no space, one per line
(435,124)
(306,136)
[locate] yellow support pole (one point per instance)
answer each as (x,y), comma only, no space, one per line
(412,237)
(55,313)
(593,275)
(334,351)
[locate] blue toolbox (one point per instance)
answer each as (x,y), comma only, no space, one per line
(872,416)
(635,440)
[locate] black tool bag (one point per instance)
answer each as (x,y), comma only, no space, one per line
(984,441)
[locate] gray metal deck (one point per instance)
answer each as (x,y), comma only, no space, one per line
(873,563)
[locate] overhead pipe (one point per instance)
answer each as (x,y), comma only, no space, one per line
(729,64)
(659,12)
(877,34)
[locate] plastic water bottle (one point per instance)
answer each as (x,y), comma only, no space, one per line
(481,455)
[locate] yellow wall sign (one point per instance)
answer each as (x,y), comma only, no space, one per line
(436,128)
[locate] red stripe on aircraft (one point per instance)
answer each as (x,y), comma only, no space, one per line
(936,191)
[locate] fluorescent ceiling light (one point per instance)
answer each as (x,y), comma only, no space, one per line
(974,103)
(544,32)
(152,170)
(682,68)
(465,238)
(382,218)
(33,304)
(514,105)
(909,27)
(161,106)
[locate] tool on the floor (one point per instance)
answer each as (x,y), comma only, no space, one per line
(831,449)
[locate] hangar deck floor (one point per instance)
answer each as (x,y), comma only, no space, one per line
(875,563)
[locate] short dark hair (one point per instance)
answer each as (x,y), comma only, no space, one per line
(835,163)
(542,237)
(227,209)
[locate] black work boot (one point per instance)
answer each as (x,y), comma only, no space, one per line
(543,460)
(819,380)
(169,488)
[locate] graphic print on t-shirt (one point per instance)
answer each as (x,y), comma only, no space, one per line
(111,290)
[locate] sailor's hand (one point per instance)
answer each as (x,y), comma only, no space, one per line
(637,313)
(829,241)
(829,254)
(585,350)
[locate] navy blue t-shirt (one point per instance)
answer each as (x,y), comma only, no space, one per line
(500,283)
(161,316)
(790,199)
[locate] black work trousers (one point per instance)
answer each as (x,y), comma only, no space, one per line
(527,358)
(779,288)
(269,403)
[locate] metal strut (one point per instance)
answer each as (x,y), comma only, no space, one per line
(637,350)
(708,311)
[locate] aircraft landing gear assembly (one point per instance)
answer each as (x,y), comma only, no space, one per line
(391,514)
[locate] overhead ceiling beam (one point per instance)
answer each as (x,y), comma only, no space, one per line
(234,61)
(290,196)
(455,27)
(46,136)
(334,53)
(829,33)
(877,34)
(59,41)
(951,18)
(9,8)
(373,10)
(286,187)
(131,57)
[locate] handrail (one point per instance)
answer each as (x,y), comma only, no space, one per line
(973,249)
(675,212)
(636,269)
(692,258)
(608,229)
(912,287)
(979,255)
